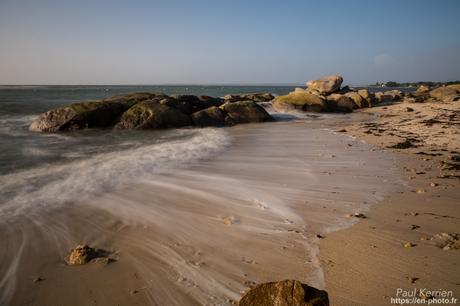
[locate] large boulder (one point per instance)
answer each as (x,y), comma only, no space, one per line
(212,116)
(366,95)
(90,114)
(284,293)
(341,103)
(304,101)
(325,85)
(189,104)
(152,114)
(358,99)
(94,114)
(444,92)
(244,112)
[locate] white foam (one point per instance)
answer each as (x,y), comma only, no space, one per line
(55,184)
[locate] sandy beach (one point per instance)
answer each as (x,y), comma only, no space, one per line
(204,234)
(367,263)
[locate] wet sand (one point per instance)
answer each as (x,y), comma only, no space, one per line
(206,233)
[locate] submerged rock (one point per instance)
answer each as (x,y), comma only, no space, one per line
(244,112)
(326,85)
(284,293)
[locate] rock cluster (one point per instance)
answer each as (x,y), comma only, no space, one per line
(326,95)
(449,93)
(284,293)
(154,111)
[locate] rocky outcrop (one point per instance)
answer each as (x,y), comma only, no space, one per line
(244,112)
(153,114)
(255,97)
(366,95)
(212,116)
(444,93)
(304,101)
(284,293)
(326,85)
(153,111)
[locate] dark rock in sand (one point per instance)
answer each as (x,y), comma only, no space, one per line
(153,114)
(244,112)
(82,254)
(284,293)
(212,116)
(406,144)
(325,85)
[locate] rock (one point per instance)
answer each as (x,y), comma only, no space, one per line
(395,94)
(364,93)
(304,101)
(422,90)
(78,116)
(325,85)
(443,92)
(381,97)
(409,245)
(341,103)
(359,101)
(406,144)
(244,112)
(454,86)
(91,114)
(299,90)
(189,104)
(255,97)
(409,109)
(447,241)
(284,293)
(82,254)
(360,216)
(152,114)
(212,116)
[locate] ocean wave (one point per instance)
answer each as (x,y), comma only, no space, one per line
(15,125)
(51,185)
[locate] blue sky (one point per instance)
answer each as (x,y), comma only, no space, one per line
(227,42)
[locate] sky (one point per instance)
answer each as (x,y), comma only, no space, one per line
(227,42)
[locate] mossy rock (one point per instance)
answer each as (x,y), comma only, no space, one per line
(304,101)
(90,114)
(244,112)
(212,116)
(93,114)
(152,114)
(189,104)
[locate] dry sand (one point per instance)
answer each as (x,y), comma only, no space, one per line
(365,264)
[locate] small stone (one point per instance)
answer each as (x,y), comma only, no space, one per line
(412,280)
(433,184)
(319,236)
(414,227)
(133,292)
(37,279)
(409,244)
(360,215)
(420,190)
